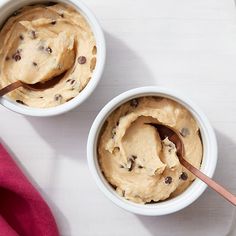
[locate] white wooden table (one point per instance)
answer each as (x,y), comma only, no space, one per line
(189,45)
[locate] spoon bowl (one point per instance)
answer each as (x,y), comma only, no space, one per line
(167,132)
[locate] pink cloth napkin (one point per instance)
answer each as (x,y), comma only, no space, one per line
(23,212)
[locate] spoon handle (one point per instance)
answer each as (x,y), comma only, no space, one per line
(10,88)
(211,183)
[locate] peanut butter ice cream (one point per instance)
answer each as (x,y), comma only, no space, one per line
(133,158)
(41,42)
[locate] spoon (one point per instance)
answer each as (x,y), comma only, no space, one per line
(35,87)
(166,132)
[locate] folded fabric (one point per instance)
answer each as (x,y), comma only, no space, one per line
(23,211)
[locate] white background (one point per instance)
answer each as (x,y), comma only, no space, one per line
(188,45)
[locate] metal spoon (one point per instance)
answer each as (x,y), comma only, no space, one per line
(164,132)
(35,87)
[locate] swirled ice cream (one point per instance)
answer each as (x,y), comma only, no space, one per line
(41,42)
(133,158)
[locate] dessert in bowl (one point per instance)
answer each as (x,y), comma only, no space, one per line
(135,168)
(42,41)
(142,167)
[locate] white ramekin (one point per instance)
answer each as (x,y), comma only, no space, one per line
(7,7)
(195,189)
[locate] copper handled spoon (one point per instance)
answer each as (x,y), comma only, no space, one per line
(35,87)
(164,132)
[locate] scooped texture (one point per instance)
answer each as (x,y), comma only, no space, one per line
(41,42)
(133,158)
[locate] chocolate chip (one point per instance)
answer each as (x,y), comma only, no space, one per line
(16,56)
(94,51)
(184,176)
(33,34)
(41,97)
(140,167)
(168,180)
(49,50)
(134,103)
(7,58)
(72,81)
(82,60)
(21,37)
(122,167)
(132,164)
(184,132)
(58,97)
(62,15)
(68,80)
(20,102)
(53,22)
(35,64)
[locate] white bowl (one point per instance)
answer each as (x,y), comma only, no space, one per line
(7,7)
(192,192)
